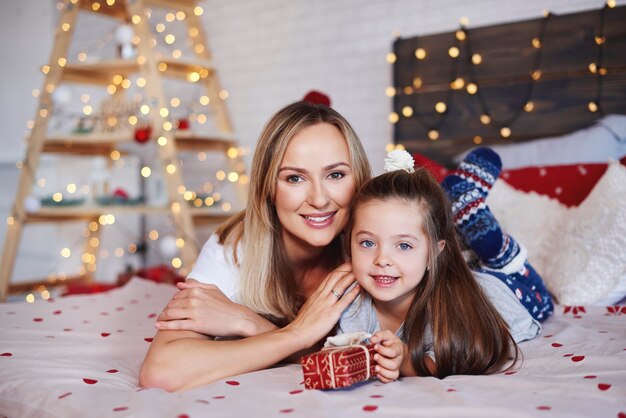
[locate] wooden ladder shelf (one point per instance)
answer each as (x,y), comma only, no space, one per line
(152,68)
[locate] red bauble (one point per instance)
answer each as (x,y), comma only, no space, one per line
(183,124)
(121,193)
(143,134)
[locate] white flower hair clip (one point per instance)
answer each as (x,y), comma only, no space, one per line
(399,160)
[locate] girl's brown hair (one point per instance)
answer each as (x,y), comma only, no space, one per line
(469,335)
(267,284)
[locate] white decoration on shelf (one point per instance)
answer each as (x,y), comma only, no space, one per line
(167,246)
(32,204)
(62,95)
(124,37)
(124,34)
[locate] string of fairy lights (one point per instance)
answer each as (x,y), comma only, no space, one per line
(195,110)
(462,40)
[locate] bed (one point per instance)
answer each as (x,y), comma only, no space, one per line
(80,356)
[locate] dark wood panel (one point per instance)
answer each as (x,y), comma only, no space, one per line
(560,96)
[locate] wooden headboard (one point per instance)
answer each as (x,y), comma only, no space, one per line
(538,78)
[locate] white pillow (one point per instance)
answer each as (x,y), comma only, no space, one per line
(580,252)
(530,218)
(597,143)
(588,256)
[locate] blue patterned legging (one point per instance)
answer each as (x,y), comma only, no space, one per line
(529,289)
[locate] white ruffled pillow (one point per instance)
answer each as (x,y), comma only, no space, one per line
(529,217)
(580,252)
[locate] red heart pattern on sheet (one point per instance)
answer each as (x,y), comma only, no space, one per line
(557,345)
(604,386)
(90,381)
(294,392)
(105,334)
(232,382)
(578,358)
(544,408)
(6,354)
(65,395)
(112,371)
(370,408)
(286,411)
(120,408)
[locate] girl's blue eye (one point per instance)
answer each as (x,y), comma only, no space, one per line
(404,246)
(294,179)
(337,175)
(366,243)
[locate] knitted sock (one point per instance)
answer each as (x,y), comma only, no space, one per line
(481,167)
(477,225)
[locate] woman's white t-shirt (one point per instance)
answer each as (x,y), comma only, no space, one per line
(215,265)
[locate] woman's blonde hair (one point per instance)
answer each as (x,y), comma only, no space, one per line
(267,284)
(469,335)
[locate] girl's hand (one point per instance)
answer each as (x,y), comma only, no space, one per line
(390,352)
(322,310)
(204,309)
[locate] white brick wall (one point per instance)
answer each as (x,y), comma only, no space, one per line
(268,53)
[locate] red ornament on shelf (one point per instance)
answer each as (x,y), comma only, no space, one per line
(121,193)
(183,124)
(142,134)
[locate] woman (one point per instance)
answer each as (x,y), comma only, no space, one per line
(280,258)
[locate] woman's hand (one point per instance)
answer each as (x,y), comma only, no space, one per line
(323,308)
(204,309)
(390,352)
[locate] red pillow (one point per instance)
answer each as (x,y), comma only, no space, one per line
(569,184)
(437,170)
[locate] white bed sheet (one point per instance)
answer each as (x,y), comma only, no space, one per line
(80,356)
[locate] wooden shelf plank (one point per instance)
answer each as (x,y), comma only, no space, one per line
(191,142)
(118,9)
(104,144)
(90,144)
(84,212)
(102,72)
(32,285)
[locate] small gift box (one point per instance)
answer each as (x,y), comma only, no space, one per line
(344,361)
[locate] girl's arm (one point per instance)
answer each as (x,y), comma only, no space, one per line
(183,359)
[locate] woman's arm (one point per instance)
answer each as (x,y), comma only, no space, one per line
(180,360)
(183,359)
(205,309)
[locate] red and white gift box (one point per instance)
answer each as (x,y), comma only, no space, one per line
(338,367)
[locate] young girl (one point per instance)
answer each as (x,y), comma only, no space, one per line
(436,315)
